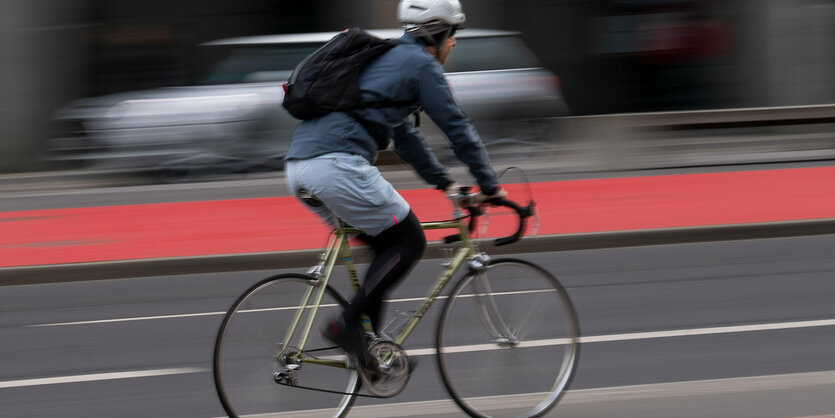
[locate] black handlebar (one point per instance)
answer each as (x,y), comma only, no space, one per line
(523,212)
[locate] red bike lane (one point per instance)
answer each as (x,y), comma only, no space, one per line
(161,230)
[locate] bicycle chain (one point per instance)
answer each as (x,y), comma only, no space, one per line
(336,392)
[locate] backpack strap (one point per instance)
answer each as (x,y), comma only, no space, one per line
(378,132)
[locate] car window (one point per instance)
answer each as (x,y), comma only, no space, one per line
(257,63)
(262,63)
(493,53)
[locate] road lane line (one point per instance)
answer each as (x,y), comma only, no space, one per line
(137,318)
(635,336)
(98,377)
(622,337)
(708,331)
(175,316)
(535,343)
(192,315)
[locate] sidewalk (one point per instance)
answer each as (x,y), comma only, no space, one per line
(231,228)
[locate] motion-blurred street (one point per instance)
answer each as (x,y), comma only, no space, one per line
(681,155)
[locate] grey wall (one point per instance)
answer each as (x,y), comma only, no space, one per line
(42,65)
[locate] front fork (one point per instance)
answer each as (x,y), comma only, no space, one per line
(488,310)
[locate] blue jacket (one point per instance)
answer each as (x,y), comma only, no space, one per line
(405,73)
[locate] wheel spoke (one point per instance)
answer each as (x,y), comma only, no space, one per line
(261,358)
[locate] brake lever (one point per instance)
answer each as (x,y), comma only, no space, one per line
(474,212)
(477,210)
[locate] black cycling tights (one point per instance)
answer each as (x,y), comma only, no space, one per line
(396,250)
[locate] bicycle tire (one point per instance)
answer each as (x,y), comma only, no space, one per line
(498,336)
(251,334)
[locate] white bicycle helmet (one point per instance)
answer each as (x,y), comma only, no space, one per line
(418,12)
(431,20)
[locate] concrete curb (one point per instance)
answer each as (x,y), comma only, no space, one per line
(305,258)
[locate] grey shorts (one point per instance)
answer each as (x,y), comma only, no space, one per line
(348,187)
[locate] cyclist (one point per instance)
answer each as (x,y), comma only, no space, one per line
(329,163)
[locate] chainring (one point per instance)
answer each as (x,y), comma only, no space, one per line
(393,371)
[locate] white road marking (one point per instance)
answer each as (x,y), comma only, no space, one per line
(708,331)
(284,308)
(97,377)
(136,318)
(636,336)
(632,336)
(622,337)
(536,343)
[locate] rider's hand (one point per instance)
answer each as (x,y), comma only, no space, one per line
(498,193)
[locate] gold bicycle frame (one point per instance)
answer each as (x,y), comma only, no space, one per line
(338,246)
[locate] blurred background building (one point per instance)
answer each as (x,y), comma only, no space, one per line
(613,56)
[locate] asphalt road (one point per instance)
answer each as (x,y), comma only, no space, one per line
(726,329)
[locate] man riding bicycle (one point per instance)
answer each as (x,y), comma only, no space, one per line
(329,163)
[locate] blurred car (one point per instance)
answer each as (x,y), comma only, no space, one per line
(232,120)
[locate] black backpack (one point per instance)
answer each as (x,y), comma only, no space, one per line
(327,80)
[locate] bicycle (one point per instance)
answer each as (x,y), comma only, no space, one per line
(507,322)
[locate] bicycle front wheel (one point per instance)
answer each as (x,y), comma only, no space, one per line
(507,341)
(265,364)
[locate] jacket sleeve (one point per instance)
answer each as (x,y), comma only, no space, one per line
(410,145)
(435,96)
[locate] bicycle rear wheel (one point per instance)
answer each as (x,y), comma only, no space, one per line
(250,350)
(507,340)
